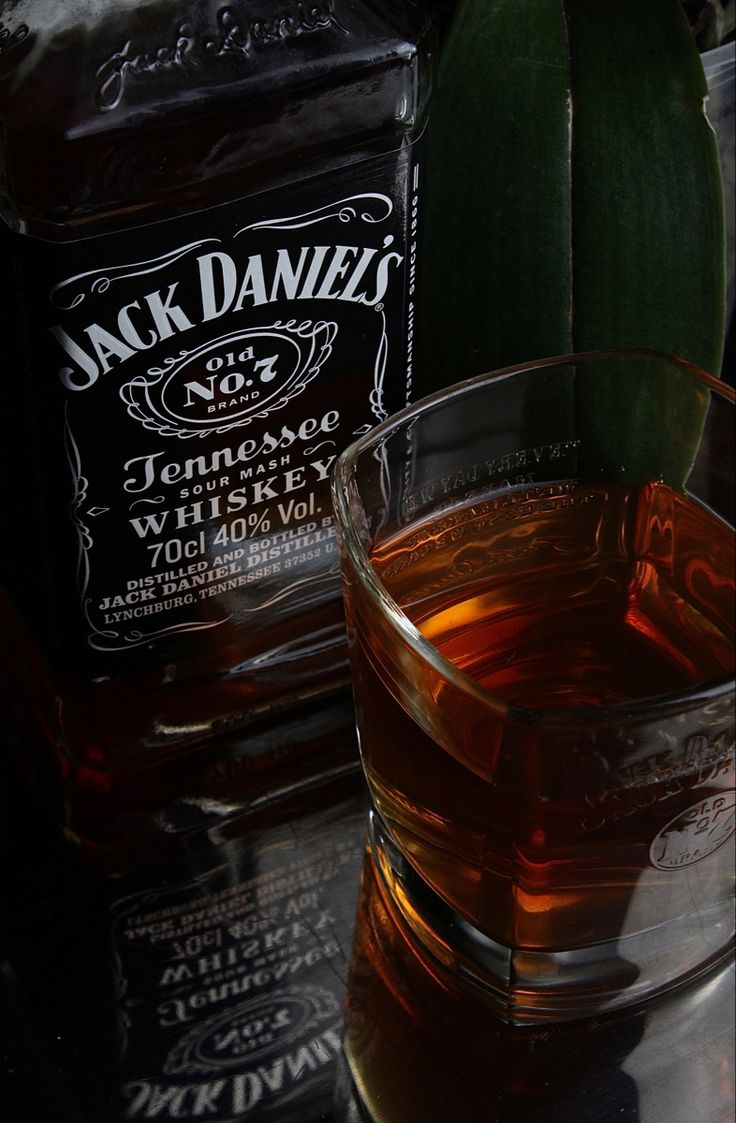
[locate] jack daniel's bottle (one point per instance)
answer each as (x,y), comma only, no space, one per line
(209,215)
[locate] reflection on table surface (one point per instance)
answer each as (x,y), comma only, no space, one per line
(420,1047)
(208,980)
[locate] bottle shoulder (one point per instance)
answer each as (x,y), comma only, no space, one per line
(98,67)
(104,106)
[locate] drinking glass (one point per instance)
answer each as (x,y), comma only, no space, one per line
(538,571)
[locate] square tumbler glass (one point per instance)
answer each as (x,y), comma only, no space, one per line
(538,571)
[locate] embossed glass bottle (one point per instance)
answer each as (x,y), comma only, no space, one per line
(209,217)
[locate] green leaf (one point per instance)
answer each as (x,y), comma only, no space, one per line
(573,196)
(648,238)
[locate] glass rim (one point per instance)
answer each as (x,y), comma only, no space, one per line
(457,389)
(343,491)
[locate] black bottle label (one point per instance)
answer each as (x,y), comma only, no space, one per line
(192,383)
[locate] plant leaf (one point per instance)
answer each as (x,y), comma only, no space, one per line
(497,251)
(573,188)
(648,237)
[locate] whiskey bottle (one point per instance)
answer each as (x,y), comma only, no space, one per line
(209,215)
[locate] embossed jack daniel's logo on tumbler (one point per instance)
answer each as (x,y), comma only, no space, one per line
(543,668)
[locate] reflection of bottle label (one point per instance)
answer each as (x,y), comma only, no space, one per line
(696,833)
(231,985)
(196,380)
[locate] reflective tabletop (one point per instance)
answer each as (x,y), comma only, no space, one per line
(216,976)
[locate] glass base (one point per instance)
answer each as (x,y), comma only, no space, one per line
(529,984)
(348,1105)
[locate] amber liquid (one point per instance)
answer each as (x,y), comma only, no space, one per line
(576,630)
(537,830)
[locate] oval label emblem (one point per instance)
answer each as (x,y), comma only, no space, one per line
(694,834)
(231,380)
(266,1025)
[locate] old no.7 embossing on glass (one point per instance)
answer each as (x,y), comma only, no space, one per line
(539,582)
